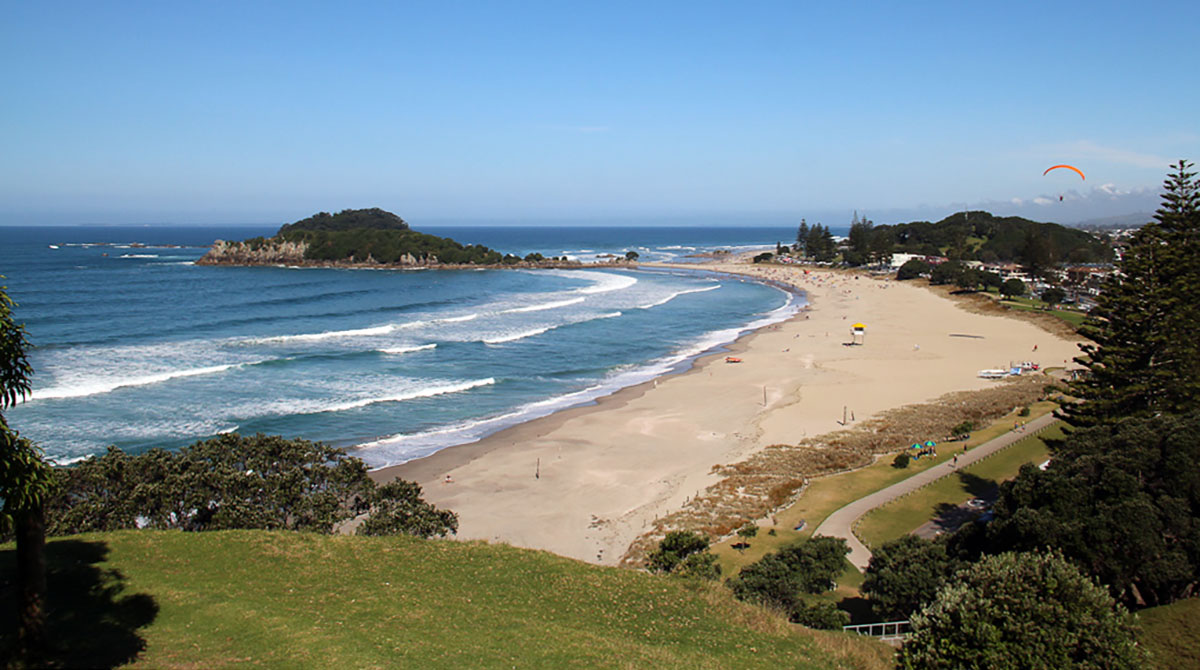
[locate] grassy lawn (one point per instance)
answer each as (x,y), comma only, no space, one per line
(828,494)
(1171,634)
(1073,317)
(281,599)
(904,515)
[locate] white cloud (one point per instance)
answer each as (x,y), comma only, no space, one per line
(1042,201)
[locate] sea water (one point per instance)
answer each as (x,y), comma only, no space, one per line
(136,346)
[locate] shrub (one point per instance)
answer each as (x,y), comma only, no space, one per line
(901,460)
(963,428)
(674,548)
(823,615)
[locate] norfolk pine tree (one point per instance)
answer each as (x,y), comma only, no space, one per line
(1144,357)
(25,483)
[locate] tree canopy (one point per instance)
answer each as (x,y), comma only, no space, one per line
(1144,357)
(348,219)
(905,574)
(1022,611)
(232,481)
(1122,502)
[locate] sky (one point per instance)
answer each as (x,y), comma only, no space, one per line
(726,112)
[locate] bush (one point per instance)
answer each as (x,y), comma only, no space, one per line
(778,578)
(823,615)
(749,530)
(674,548)
(1024,412)
(901,460)
(763,257)
(963,428)
(702,564)
(1022,610)
(234,482)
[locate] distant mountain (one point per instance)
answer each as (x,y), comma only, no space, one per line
(1135,220)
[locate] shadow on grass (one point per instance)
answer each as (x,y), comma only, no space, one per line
(979,487)
(859,609)
(90,622)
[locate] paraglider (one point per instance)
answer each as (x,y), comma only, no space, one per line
(1066,167)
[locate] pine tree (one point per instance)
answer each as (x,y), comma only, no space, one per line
(1144,359)
(802,238)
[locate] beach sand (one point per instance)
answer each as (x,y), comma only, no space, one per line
(586,482)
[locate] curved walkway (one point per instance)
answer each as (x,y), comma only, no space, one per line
(840,523)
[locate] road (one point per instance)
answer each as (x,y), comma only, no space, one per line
(839,523)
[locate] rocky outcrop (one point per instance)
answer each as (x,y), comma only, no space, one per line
(266,252)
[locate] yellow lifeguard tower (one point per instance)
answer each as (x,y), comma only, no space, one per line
(858,333)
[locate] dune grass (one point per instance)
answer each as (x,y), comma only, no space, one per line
(1171,634)
(906,514)
(280,599)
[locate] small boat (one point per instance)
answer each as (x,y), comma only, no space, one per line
(53,246)
(993,374)
(732,359)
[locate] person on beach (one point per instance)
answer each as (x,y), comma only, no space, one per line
(448,480)
(955,460)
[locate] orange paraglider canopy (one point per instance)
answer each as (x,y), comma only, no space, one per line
(1069,167)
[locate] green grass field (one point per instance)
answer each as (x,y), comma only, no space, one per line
(826,495)
(280,599)
(904,515)
(1171,634)
(1073,317)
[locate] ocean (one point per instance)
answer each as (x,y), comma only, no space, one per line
(135,346)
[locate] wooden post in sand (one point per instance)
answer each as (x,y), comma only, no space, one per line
(537,473)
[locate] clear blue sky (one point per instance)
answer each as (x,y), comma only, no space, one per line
(208,112)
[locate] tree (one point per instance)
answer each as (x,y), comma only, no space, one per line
(946,273)
(1053,296)
(802,238)
(1022,611)
(25,483)
(397,509)
(777,579)
(631,255)
(1144,357)
(912,268)
(232,481)
(674,548)
(1121,501)
(904,575)
(1013,288)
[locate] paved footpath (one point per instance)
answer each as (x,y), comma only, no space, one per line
(839,523)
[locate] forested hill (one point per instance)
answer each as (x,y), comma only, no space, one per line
(348,219)
(983,236)
(361,238)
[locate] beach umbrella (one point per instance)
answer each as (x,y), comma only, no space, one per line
(859,326)
(931,443)
(916,445)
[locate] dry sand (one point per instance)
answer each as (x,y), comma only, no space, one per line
(586,482)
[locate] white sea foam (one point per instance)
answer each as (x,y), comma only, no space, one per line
(609,282)
(137,255)
(327,335)
(513,337)
(677,294)
(407,350)
(226,431)
(70,460)
(544,306)
(425,392)
(107,385)
(457,319)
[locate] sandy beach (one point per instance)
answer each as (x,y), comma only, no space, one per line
(586,482)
